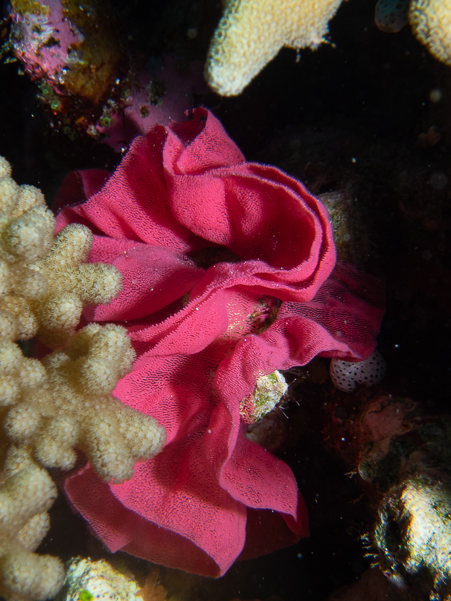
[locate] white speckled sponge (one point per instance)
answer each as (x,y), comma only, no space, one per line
(345,375)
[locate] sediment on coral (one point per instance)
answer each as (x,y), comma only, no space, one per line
(44,284)
(413,533)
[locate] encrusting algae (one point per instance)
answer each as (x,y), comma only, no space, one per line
(44,285)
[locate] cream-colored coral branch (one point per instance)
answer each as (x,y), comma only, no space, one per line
(251,33)
(45,281)
(26,494)
(49,409)
(73,408)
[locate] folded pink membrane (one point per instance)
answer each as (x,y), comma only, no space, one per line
(228,275)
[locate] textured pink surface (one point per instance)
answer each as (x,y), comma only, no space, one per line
(44,39)
(140,115)
(206,243)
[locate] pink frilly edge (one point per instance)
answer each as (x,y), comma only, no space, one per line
(177,191)
(164,526)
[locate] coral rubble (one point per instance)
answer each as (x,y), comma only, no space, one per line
(50,407)
(87,579)
(413,533)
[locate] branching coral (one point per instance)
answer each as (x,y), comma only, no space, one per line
(251,33)
(26,493)
(44,281)
(50,407)
(49,417)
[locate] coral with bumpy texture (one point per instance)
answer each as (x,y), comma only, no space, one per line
(50,407)
(42,402)
(26,494)
(48,418)
(44,281)
(413,533)
(251,33)
(72,284)
(431,23)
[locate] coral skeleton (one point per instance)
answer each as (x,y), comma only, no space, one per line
(267,394)
(51,407)
(88,579)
